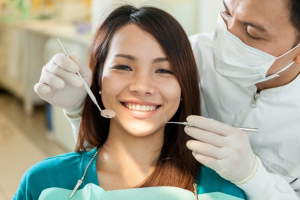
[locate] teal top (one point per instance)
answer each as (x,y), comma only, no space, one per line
(65,170)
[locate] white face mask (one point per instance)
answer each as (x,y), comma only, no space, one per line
(239,62)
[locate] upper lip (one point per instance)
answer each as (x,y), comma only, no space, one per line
(141,102)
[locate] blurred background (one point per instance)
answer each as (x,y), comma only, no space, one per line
(30,129)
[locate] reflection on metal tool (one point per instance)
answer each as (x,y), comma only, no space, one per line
(195,191)
(187,124)
(106,113)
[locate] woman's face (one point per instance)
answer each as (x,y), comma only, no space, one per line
(138,83)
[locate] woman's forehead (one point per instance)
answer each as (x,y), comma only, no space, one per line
(133,39)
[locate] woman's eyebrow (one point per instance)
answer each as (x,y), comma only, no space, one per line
(132,58)
(129,57)
(162,59)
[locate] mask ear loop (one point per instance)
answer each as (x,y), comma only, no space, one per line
(285,68)
(288,51)
(276,74)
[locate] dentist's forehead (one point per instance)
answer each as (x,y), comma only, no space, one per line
(258,8)
(270,16)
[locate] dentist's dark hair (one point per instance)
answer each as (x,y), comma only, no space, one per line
(294,8)
(175,166)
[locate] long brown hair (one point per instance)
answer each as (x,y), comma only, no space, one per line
(175,166)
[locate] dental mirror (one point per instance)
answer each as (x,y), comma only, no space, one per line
(106,113)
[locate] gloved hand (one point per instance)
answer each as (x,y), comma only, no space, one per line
(221,147)
(59,84)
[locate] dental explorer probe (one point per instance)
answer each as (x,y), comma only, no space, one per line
(187,124)
(106,113)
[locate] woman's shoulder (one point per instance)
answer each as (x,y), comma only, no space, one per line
(59,171)
(56,164)
(68,162)
(209,181)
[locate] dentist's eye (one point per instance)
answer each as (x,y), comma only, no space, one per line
(252,37)
(225,14)
(122,67)
(164,71)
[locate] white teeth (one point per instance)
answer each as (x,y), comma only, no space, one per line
(137,107)
(143,108)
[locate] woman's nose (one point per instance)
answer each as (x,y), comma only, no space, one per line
(142,85)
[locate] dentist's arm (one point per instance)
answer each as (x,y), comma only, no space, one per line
(60,86)
(227,150)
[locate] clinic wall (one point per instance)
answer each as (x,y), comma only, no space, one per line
(194,15)
(207,15)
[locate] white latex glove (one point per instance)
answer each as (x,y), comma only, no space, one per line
(220,147)
(60,85)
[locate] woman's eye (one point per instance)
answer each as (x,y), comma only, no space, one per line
(123,67)
(164,71)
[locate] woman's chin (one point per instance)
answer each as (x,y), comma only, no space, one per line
(144,130)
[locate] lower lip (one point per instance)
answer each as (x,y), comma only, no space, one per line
(141,114)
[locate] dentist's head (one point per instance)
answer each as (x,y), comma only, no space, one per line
(258,40)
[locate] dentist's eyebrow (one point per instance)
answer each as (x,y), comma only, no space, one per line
(225,5)
(256,26)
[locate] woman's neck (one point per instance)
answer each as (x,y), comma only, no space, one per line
(127,159)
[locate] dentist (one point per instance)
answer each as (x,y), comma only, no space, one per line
(249,76)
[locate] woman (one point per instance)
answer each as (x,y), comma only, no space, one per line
(143,69)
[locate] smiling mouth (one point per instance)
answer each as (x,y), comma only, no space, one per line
(141,108)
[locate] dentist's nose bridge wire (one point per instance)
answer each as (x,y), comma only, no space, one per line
(106,113)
